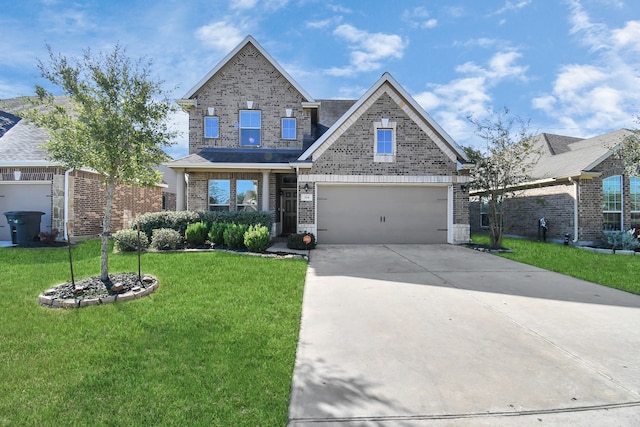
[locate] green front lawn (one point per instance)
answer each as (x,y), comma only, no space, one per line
(616,271)
(213,346)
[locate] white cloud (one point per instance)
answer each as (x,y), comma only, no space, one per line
(243,4)
(509,6)
(601,95)
(325,23)
(369,50)
(627,37)
(470,95)
(221,35)
(419,17)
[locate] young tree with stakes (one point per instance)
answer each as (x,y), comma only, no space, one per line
(505,161)
(115,124)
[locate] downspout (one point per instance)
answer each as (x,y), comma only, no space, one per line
(575,211)
(66,204)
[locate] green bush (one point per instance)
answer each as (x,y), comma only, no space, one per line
(216,233)
(238,217)
(234,235)
(257,238)
(196,234)
(621,240)
(166,238)
(127,240)
(177,221)
(296,241)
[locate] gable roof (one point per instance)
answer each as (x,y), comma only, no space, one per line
(248,40)
(387,84)
(576,157)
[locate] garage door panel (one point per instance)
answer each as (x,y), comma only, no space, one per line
(382,214)
(24,197)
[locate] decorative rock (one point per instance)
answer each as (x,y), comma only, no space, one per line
(117,287)
(89,301)
(107,300)
(136,289)
(148,279)
(78,290)
(70,303)
(126,296)
(45,300)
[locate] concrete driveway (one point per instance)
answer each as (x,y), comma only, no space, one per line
(439,335)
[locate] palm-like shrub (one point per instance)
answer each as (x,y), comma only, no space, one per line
(196,234)
(234,235)
(257,238)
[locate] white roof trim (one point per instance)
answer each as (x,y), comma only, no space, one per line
(454,151)
(247,40)
(28,163)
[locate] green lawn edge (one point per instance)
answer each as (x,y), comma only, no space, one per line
(215,345)
(613,270)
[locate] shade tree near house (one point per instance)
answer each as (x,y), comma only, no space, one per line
(116,123)
(506,160)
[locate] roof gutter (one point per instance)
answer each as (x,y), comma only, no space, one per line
(209,166)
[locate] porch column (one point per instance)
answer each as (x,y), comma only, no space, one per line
(180,190)
(265,190)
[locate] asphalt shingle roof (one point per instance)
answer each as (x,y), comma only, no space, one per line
(572,158)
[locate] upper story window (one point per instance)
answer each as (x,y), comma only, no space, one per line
(288,128)
(250,124)
(211,127)
(384,141)
(219,194)
(612,203)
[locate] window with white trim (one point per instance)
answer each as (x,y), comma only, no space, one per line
(634,193)
(384,145)
(219,194)
(211,127)
(247,195)
(612,203)
(288,128)
(250,124)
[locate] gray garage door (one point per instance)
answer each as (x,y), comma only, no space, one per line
(381,214)
(24,197)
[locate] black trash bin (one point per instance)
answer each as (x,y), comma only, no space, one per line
(24,226)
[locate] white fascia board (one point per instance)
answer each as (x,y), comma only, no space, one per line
(263,52)
(301,165)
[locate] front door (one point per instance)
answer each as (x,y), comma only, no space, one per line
(289,218)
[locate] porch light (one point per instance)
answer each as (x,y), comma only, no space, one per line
(288,111)
(385,122)
(17,175)
(249,105)
(211,110)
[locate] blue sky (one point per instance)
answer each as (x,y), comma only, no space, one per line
(572,67)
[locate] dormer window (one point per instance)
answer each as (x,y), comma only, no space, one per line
(250,124)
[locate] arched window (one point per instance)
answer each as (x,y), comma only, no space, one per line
(612,203)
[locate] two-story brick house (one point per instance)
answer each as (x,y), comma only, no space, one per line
(374,170)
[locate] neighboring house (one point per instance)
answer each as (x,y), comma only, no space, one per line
(374,170)
(579,187)
(168,188)
(29,181)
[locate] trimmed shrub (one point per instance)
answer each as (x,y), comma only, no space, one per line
(297,241)
(127,240)
(196,234)
(239,217)
(257,238)
(234,235)
(621,240)
(177,221)
(216,233)
(166,238)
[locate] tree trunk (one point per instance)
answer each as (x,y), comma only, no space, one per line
(106,231)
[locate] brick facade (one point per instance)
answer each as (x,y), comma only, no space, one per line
(248,77)
(86,200)
(87,204)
